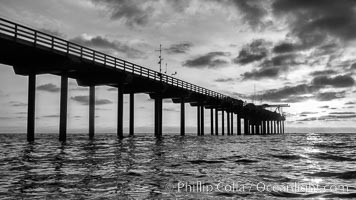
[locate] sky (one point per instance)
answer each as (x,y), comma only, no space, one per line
(299,52)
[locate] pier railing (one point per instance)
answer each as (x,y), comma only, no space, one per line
(43,40)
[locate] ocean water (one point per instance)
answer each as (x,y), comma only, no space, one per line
(295,166)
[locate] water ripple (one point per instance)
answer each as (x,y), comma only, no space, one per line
(142,167)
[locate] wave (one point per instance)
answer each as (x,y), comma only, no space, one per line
(341,175)
(327,156)
(340,145)
(206,161)
(246,161)
(313,195)
(287,157)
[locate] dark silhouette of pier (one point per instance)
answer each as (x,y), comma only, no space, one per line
(32,52)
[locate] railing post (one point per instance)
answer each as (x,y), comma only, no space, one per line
(35,39)
(16,29)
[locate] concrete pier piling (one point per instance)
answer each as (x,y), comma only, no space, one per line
(246,127)
(120,112)
(158,116)
(228,123)
(202,124)
(238,124)
(232,124)
(222,122)
(211,121)
(216,121)
(91,111)
(31,107)
(198,121)
(132,114)
(63,108)
(182,117)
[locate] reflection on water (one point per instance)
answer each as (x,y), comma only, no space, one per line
(145,168)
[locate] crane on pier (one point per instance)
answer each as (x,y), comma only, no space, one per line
(277,106)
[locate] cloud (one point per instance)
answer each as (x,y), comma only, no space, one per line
(350,103)
(255,51)
(261,73)
(353,66)
(105,44)
(132,12)
(308,113)
(112,89)
(224,80)
(285,47)
(17,104)
(253,12)
(80,88)
(288,93)
(50,116)
(272,68)
(49,88)
(323,72)
(52,32)
(209,60)
(318,28)
(340,81)
(170,110)
(324,106)
(328,96)
(342,113)
(319,17)
(2,94)
(330,117)
(284,60)
(84,100)
(299,93)
(305,44)
(180,48)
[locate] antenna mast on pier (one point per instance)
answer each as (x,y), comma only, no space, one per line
(160,58)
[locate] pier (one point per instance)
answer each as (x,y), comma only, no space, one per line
(31,53)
